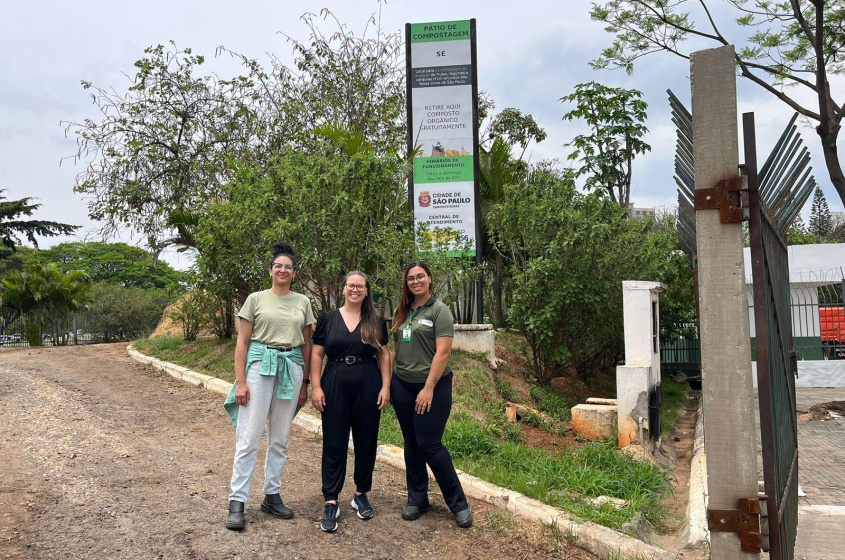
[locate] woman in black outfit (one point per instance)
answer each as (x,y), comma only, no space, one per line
(421,391)
(351,392)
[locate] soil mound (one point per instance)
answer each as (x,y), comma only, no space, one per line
(168,328)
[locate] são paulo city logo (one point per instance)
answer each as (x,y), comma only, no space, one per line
(425,199)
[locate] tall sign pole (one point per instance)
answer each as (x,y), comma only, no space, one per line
(442,93)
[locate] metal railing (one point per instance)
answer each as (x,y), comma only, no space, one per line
(818,326)
(76,330)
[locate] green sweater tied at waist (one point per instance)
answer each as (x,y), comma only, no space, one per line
(273,363)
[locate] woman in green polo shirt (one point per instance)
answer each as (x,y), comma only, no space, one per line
(271,355)
(421,393)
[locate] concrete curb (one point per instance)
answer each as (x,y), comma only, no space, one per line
(697,533)
(599,540)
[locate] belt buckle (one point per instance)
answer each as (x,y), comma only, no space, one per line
(350,360)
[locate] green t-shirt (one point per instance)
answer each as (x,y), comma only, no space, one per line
(429,322)
(277,320)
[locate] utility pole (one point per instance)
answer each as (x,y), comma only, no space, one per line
(730,439)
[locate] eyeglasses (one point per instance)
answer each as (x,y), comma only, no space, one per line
(356,287)
(418,278)
(279,266)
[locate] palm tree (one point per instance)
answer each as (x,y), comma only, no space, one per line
(42,295)
(67,294)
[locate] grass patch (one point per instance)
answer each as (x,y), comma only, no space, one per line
(673,400)
(506,389)
(556,406)
(483,443)
(210,356)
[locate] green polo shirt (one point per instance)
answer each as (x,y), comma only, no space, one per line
(413,359)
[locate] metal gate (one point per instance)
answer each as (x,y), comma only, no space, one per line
(776,358)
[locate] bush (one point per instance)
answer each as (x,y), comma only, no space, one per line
(121,313)
(340,212)
(571,252)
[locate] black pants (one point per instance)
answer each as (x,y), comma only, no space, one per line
(351,394)
(423,435)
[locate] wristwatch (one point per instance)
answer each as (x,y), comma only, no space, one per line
(306,380)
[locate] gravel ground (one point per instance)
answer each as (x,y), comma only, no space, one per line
(103,457)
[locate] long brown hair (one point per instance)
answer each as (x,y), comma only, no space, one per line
(407,296)
(370,323)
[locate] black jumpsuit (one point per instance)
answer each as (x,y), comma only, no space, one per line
(351,392)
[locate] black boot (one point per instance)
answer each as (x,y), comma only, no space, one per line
(236,520)
(273,504)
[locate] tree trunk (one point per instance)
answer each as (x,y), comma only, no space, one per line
(831,159)
(498,285)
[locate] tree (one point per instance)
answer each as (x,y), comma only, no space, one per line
(570,252)
(42,295)
(124,313)
(162,151)
(117,263)
(11,226)
(837,233)
(821,224)
(357,82)
(798,234)
(615,117)
(796,43)
(162,146)
(506,132)
(340,212)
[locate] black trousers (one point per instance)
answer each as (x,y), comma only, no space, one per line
(423,435)
(351,394)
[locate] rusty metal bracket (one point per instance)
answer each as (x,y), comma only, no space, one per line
(745,521)
(729,196)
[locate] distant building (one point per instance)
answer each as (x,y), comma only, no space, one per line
(639,213)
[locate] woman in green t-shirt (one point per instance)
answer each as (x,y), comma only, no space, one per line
(421,393)
(271,356)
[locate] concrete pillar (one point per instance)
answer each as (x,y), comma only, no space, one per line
(477,338)
(641,372)
(727,394)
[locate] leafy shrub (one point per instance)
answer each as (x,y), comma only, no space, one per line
(570,253)
(120,313)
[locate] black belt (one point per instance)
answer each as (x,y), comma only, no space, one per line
(349,360)
(282,348)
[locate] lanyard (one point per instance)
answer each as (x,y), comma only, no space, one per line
(413,314)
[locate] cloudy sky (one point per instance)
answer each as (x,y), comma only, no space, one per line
(530,53)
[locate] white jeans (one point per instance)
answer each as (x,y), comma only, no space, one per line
(263,408)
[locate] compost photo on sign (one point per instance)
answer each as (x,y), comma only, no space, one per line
(442,125)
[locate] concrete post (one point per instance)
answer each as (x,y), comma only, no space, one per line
(641,372)
(728,396)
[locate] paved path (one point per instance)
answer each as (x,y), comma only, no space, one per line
(821,476)
(821,452)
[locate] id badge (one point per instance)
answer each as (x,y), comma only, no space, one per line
(406,334)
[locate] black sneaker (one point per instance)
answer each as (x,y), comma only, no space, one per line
(411,513)
(330,515)
(361,504)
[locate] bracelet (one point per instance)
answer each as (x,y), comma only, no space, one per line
(306,381)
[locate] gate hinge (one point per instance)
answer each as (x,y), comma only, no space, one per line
(730,196)
(745,521)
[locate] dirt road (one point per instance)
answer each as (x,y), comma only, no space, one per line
(105,458)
